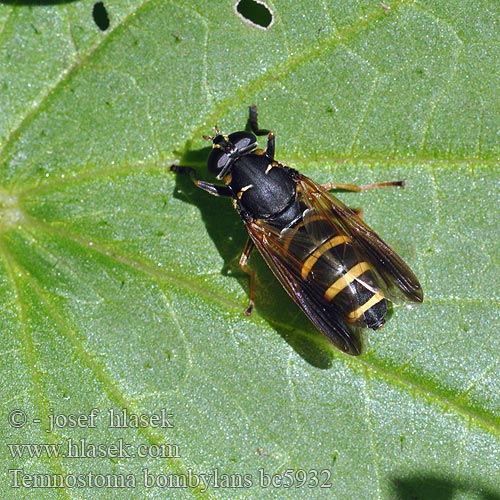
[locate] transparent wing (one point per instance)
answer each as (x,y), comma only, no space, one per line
(393,270)
(307,295)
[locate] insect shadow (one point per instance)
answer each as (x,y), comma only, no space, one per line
(228,233)
(440,488)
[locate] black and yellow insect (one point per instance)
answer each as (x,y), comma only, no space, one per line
(338,271)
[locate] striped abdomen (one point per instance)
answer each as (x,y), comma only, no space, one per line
(335,271)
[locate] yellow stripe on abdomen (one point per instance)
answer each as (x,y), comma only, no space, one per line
(353,316)
(327,245)
(347,278)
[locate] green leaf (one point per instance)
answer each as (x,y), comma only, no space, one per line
(120,286)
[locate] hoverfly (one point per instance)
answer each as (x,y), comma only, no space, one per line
(335,268)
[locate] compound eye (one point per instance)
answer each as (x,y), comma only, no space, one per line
(243,142)
(218,162)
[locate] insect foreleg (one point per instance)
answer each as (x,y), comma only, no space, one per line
(270,146)
(214,189)
(254,124)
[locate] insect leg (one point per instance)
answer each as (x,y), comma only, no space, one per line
(253,122)
(243,264)
(214,189)
(270,146)
(353,187)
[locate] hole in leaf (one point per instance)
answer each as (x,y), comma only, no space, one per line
(254,13)
(100,15)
